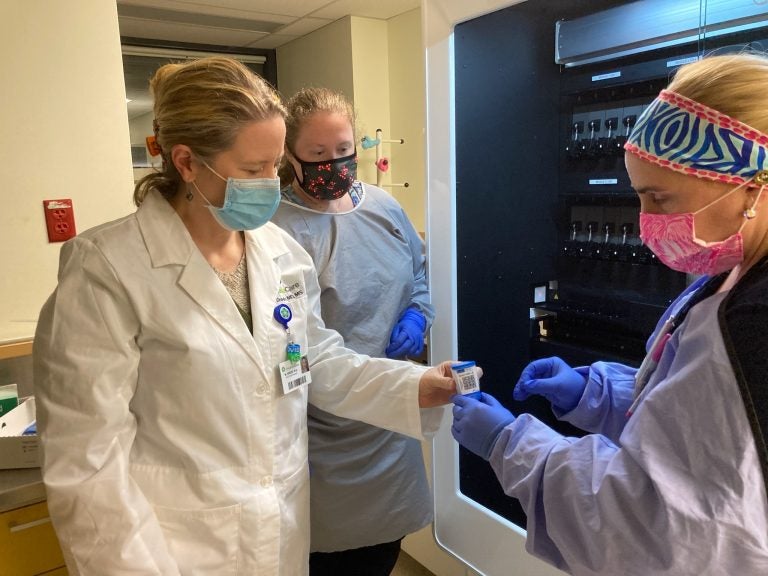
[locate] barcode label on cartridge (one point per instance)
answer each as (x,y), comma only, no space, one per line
(468,383)
(465,377)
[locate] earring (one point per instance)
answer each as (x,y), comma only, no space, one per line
(189,195)
(761,177)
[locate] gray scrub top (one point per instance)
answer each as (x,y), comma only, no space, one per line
(367,485)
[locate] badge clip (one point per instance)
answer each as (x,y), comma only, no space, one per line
(283,315)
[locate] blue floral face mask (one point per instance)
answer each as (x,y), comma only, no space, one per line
(248,203)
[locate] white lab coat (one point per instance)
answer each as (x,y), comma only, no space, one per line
(169,446)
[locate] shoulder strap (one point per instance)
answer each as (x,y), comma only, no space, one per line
(743,319)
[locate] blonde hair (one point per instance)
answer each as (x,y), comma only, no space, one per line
(734,84)
(301,106)
(203,104)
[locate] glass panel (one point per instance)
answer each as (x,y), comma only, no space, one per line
(543,202)
(138,70)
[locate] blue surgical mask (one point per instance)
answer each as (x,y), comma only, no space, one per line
(248,203)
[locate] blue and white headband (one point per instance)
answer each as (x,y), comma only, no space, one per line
(683,135)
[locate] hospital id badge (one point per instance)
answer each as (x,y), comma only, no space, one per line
(294,375)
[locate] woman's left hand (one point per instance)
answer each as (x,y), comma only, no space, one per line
(437,386)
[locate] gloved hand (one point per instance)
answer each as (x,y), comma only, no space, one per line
(407,336)
(478,423)
(553,379)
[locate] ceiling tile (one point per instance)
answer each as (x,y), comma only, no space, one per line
(366,8)
(153,29)
(244,23)
(236,8)
(202,19)
(272,41)
(304,26)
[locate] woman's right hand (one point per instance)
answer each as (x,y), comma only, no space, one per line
(436,386)
(553,379)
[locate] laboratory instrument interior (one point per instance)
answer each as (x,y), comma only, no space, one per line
(547,256)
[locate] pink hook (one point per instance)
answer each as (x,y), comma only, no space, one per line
(382,164)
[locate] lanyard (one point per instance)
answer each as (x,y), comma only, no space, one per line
(675,319)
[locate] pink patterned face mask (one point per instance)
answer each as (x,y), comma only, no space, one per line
(672,237)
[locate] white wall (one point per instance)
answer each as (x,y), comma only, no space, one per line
(370,76)
(321,58)
(378,65)
(407,115)
(329,58)
(65,135)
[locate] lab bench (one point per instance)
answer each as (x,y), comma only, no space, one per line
(28,543)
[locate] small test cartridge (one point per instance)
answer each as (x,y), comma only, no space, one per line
(465,376)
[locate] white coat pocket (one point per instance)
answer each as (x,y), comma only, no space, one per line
(203,542)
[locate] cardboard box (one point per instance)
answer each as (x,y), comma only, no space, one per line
(17,451)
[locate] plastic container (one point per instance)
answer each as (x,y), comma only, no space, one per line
(9,398)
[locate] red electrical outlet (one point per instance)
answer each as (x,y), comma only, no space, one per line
(59,219)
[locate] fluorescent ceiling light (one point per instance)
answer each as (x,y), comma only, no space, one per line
(177,54)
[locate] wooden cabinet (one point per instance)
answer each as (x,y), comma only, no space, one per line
(28,543)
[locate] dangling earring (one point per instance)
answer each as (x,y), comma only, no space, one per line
(189,195)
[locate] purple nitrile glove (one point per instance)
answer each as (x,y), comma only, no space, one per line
(407,338)
(478,423)
(553,379)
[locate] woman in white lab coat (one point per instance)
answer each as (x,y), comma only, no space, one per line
(172,405)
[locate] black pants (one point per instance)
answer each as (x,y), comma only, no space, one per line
(378,560)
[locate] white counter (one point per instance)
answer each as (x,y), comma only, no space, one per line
(16,339)
(17,331)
